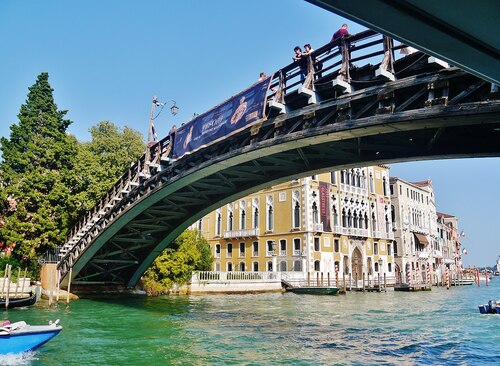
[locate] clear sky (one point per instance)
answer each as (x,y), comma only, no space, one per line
(106,59)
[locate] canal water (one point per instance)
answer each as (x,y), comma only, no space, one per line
(440,327)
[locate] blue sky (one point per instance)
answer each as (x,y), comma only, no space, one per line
(106,60)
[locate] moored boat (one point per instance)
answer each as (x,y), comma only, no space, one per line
(492,307)
(16,302)
(21,337)
(314,290)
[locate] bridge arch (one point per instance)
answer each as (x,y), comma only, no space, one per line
(154,203)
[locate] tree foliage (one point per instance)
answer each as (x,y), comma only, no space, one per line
(188,253)
(36,175)
(103,160)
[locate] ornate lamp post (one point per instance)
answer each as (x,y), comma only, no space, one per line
(152,137)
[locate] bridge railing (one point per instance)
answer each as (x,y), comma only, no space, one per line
(335,60)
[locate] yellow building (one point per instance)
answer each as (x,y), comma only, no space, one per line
(331,220)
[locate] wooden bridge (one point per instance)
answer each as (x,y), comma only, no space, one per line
(362,102)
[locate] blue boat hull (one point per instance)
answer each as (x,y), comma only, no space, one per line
(23,342)
(485,309)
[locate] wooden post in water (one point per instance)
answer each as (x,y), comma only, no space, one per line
(24,279)
(51,284)
(350,281)
(379,287)
(317,278)
(308,279)
(4,279)
(17,282)
(58,285)
(8,286)
(343,279)
(69,284)
(328,276)
(363,287)
(385,282)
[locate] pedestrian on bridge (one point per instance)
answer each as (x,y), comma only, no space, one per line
(300,58)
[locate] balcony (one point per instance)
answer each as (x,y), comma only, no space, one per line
(241,255)
(318,227)
(282,253)
(230,234)
(297,252)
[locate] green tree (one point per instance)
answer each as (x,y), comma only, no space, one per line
(103,160)
(36,174)
(189,252)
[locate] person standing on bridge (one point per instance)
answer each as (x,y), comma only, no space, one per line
(318,65)
(300,58)
(342,32)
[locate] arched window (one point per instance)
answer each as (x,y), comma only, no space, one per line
(242,219)
(384,185)
(296,215)
(344,218)
(335,216)
(219,224)
(355,220)
(297,265)
(282,266)
(374,222)
(270,218)
(269,266)
(270,213)
(387,224)
(230,222)
(200,224)
(372,185)
(315,215)
(256,218)
(349,219)
(242,266)
(376,267)
(366,221)
(342,176)
(317,266)
(255,266)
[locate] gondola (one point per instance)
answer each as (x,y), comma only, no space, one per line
(17,302)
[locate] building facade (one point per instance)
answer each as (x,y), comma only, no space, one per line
(336,223)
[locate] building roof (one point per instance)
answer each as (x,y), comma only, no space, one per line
(445,215)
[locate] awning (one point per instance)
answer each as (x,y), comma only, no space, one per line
(421,238)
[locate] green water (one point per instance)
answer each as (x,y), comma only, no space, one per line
(441,327)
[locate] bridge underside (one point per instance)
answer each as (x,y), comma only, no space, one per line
(390,122)
(464,33)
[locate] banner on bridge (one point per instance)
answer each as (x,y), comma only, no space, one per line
(227,118)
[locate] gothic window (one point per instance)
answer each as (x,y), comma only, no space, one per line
(335,216)
(344,218)
(374,222)
(242,219)
(315,216)
(355,220)
(384,185)
(218,227)
(296,215)
(256,218)
(255,266)
(270,213)
(375,248)
(242,266)
(372,185)
(342,176)
(230,222)
(317,266)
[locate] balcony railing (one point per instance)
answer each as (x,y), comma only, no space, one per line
(241,233)
(318,227)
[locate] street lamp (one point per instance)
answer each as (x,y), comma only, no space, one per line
(152,136)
